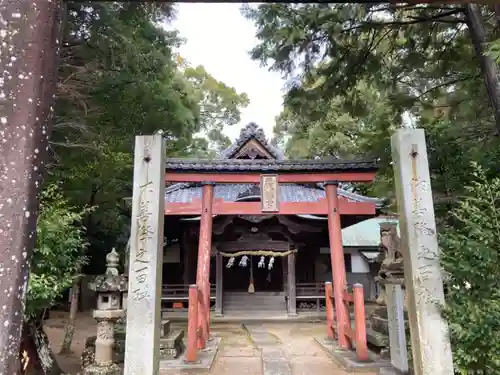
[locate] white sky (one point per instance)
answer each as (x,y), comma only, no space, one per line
(219,38)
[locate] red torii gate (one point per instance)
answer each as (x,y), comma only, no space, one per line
(31,33)
(209,173)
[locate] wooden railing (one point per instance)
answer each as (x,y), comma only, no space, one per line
(356,336)
(313,293)
(313,290)
(175,297)
(180,292)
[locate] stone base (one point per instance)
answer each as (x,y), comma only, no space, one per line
(204,363)
(347,358)
(165,328)
(377,339)
(393,371)
(172,346)
(381,324)
(111,369)
(118,349)
(87,358)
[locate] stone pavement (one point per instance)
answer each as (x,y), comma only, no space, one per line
(269,349)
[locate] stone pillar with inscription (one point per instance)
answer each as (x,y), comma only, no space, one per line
(109,288)
(424,285)
(142,345)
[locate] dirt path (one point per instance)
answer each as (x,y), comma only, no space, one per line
(54,327)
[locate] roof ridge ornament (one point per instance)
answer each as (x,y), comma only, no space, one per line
(247,133)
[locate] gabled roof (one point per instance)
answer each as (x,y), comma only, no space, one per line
(251,143)
(186,192)
(267,166)
(252,152)
(248,133)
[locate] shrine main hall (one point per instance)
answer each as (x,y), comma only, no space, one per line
(274,227)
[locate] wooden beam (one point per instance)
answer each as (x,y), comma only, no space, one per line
(221,207)
(249,177)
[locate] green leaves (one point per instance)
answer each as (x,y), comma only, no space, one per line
(59,252)
(120,77)
(470,258)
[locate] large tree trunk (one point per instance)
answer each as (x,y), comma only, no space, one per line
(28,56)
(489,67)
(37,358)
(70,326)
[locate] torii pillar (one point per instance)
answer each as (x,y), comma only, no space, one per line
(338,264)
(203,267)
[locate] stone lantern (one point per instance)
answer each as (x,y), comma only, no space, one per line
(109,288)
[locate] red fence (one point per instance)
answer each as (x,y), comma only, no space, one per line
(356,336)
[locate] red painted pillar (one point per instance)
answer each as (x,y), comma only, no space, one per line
(329,310)
(360,322)
(338,265)
(203,269)
(192,339)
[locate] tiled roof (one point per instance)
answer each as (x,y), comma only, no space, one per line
(365,233)
(251,131)
(185,193)
(264,166)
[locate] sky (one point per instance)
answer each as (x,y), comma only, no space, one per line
(220,38)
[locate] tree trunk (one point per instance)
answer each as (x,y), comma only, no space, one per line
(37,357)
(70,326)
(29,48)
(488,66)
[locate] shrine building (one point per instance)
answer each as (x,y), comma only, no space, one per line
(274,223)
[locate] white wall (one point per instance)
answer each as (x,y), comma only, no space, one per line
(358,263)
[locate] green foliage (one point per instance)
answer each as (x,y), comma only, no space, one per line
(59,251)
(356,72)
(471,260)
(219,107)
(120,77)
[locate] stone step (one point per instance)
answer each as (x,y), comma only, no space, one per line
(258,302)
(172,346)
(249,300)
(255,307)
(254,294)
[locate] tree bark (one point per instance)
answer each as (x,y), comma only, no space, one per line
(29,42)
(37,357)
(70,326)
(488,65)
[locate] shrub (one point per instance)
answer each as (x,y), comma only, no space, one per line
(59,250)
(471,261)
